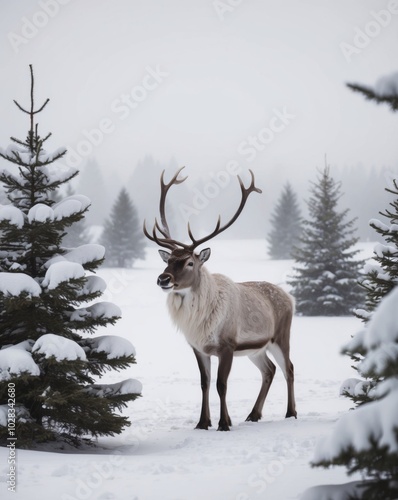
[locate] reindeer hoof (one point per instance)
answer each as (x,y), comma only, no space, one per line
(253,417)
(291,414)
(203,425)
(223,426)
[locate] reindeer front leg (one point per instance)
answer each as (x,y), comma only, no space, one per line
(224,367)
(204,368)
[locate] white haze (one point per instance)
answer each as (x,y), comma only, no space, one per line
(212,79)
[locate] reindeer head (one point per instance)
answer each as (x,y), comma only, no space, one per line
(183,264)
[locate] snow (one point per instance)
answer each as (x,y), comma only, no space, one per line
(40,213)
(383,327)
(70,206)
(16,283)
(80,255)
(375,421)
(376,223)
(12,214)
(94,284)
(62,271)
(114,347)
(98,310)
(387,85)
(129,386)
(20,411)
(16,361)
(57,172)
(86,253)
(347,491)
(49,157)
(350,386)
(104,310)
(381,250)
(160,456)
(59,347)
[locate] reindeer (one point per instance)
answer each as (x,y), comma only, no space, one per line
(221,318)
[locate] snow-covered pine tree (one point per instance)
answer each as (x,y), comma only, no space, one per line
(46,308)
(365,440)
(381,276)
(286,225)
(122,236)
(325,283)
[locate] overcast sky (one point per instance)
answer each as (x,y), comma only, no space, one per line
(261,82)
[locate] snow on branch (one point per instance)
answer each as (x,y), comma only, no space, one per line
(334,491)
(60,272)
(374,422)
(129,386)
(16,361)
(59,347)
(114,347)
(13,284)
(387,85)
(21,413)
(84,254)
(12,214)
(40,213)
(70,206)
(381,250)
(359,429)
(101,310)
(94,284)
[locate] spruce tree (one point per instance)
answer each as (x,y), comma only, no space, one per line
(286,225)
(325,283)
(47,355)
(365,439)
(122,235)
(381,276)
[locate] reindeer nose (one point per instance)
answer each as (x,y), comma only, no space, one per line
(164,281)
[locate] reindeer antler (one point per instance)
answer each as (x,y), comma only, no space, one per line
(170,243)
(219,229)
(167,240)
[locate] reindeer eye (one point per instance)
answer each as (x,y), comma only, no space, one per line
(190,264)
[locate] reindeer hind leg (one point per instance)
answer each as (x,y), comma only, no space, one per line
(282,358)
(267,369)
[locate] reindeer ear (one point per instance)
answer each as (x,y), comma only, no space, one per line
(165,255)
(204,255)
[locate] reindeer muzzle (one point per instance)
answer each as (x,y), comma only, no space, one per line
(165,281)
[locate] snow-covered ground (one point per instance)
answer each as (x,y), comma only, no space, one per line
(161,456)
